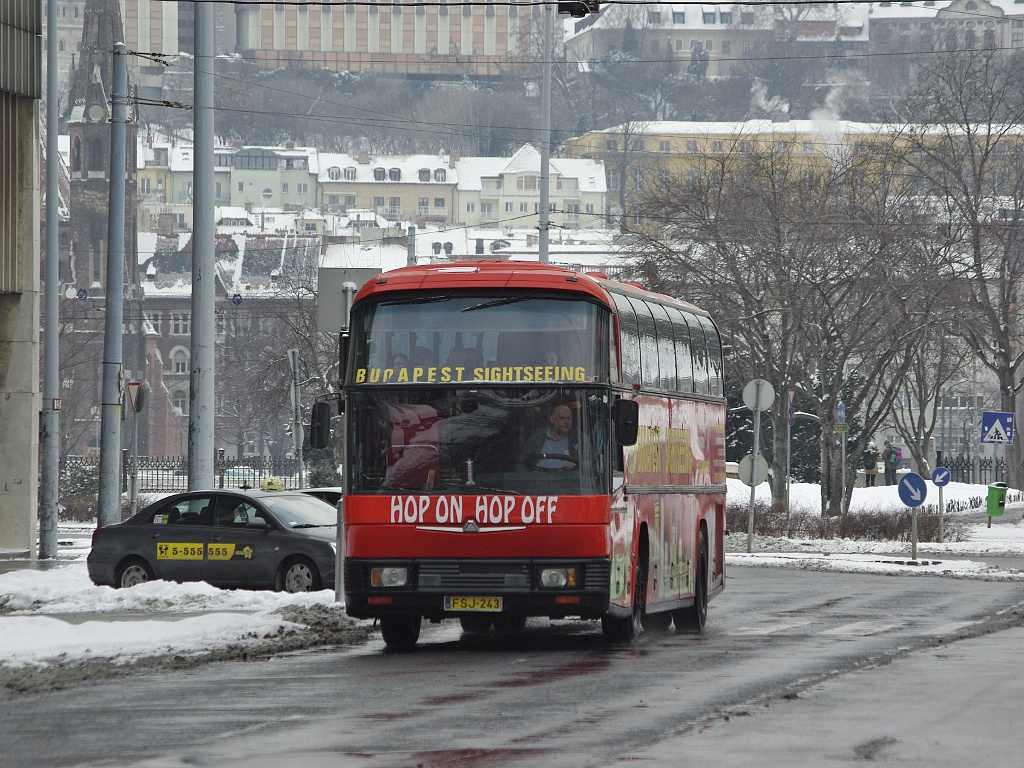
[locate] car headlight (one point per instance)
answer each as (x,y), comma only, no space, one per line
(389,577)
(555,578)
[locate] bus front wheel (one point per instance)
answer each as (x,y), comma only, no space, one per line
(693,618)
(627,630)
(400,632)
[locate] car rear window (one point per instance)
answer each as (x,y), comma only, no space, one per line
(300,510)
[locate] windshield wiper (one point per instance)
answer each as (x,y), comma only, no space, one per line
(498,302)
(313,525)
(420,300)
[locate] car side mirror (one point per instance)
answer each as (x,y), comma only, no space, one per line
(257,522)
(626,419)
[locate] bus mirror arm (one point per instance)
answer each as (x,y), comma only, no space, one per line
(626,418)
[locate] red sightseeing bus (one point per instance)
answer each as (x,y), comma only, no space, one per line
(523,440)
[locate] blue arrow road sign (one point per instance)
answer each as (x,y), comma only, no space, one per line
(841,413)
(913,490)
(997,428)
(941,476)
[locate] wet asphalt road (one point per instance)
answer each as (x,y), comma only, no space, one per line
(560,696)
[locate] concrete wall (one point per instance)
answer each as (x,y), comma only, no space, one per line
(20,65)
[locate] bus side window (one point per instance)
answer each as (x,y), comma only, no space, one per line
(648,343)
(717,385)
(699,350)
(629,339)
(666,348)
(684,363)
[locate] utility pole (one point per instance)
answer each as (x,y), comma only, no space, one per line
(545,148)
(201,415)
(49,442)
(297,435)
(109,502)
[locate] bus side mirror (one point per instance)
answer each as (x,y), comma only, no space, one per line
(626,418)
(320,425)
(342,357)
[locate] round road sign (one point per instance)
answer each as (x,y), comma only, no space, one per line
(759,395)
(751,472)
(913,489)
(941,476)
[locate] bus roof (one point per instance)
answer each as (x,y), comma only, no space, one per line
(508,274)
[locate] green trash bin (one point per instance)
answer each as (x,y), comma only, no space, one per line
(996,499)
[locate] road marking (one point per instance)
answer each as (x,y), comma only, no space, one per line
(946,629)
(861,628)
(768,629)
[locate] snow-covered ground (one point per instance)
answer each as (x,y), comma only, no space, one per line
(56,616)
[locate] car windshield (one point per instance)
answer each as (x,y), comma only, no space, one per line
(464,440)
(300,510)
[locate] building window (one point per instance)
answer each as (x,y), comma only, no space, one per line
(709,17)
(808,147)
(524,208)
(302,189)
(241,186)
(379,174)
(350,201)
(395,174)
(678,17)
(440,174)
(509,208)
(334,173)
(746,147)
(717,147)
(155,320)
(424,174)
(181,324)
(691,145)
(378,201)
(439,202)
(350,172)
(470,207)
(725,17)
(611,144)
(654,17)
(284,188)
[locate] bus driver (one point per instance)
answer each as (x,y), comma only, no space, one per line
(556,446)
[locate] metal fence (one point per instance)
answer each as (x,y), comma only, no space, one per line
(158,474)
(975,470)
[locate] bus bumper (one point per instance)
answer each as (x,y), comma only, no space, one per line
(431,585)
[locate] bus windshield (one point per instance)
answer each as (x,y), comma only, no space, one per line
(448,337)
(488,440)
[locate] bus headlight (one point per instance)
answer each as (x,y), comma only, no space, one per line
(555,578)
(389,577)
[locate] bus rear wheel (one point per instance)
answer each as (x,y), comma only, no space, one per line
(400,632)
(693,618)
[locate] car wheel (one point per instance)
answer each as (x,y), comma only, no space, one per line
(299,575)
(400,632)
(133,572)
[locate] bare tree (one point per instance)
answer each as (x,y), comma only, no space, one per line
(792,254)
(964,127)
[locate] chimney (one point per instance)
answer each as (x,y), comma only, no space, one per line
(237,143)
(289,144)
(363,159)
(453,159)
(780,117)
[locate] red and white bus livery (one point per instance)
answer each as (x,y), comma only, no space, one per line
(523,440)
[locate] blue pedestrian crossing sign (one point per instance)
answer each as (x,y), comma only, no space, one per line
(997,428)
(912,489)
(941,476)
